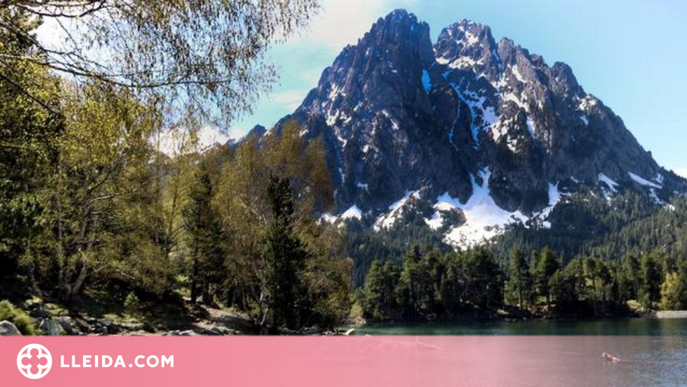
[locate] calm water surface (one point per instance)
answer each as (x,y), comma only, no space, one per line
(653,352)
(609,327)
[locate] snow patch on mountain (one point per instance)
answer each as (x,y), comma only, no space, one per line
(517,74)
(643,181)
(444,203)
(555,197)
(484,218)
(610,183)
(482,116)
(514,98)
(585,119)
(353,212)
(587,102)
(531,127)
(470,39)
(394,123)
(436,221)
(386,221)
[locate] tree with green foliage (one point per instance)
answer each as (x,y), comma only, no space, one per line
(434,266)
(102,149)
(285,257)
(650,289)
(206,237)
(245,210)
(29,128)
(206,55)
(598,281)
(632,271)
(452,285)
(673,292)
(545,265)
(380,291)
(568,287)
(482,280)
(519,285)
(413,284)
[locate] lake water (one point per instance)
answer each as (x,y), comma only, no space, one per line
(653,352)
(607,327)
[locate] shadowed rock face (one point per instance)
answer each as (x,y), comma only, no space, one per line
(399,114)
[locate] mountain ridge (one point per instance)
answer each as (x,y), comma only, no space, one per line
(466,128)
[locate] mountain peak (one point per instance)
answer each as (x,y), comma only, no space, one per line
(466,44)
(465,124)
(398,27)
(258,131)
(399,14)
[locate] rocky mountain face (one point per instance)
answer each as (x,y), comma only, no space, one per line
(471,133)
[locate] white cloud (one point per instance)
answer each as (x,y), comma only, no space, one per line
(178,141)
(291,99)
(343,22)
(236,133)
(681,171)
(311,76)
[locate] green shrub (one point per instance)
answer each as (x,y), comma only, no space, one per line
(131,304)
(18,317)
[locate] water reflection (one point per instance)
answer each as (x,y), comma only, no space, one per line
(616,327)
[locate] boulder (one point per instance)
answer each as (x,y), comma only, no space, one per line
(68,325)
(218,331)
(50,327)
(106,326)
(38,312)
(181,333)
(8,329)
(131,326)
(148,327)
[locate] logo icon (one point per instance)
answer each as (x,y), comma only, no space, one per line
(34,361)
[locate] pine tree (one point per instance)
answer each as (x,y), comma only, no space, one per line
(633,274)
(205,235)
(380,290)
(544,267)
(650,290)
(519,278)
(414,284)
(285,256)
(482,280)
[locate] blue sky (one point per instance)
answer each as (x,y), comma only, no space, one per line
(630,54)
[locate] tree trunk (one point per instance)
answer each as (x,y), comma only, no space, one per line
(194,280)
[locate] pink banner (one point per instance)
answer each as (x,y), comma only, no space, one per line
(339,361)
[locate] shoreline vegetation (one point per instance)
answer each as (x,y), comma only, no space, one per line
(52,319)
(430,285)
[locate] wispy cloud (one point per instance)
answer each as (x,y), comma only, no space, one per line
(179,141)
(310,76)
(290,99)
(342,22)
